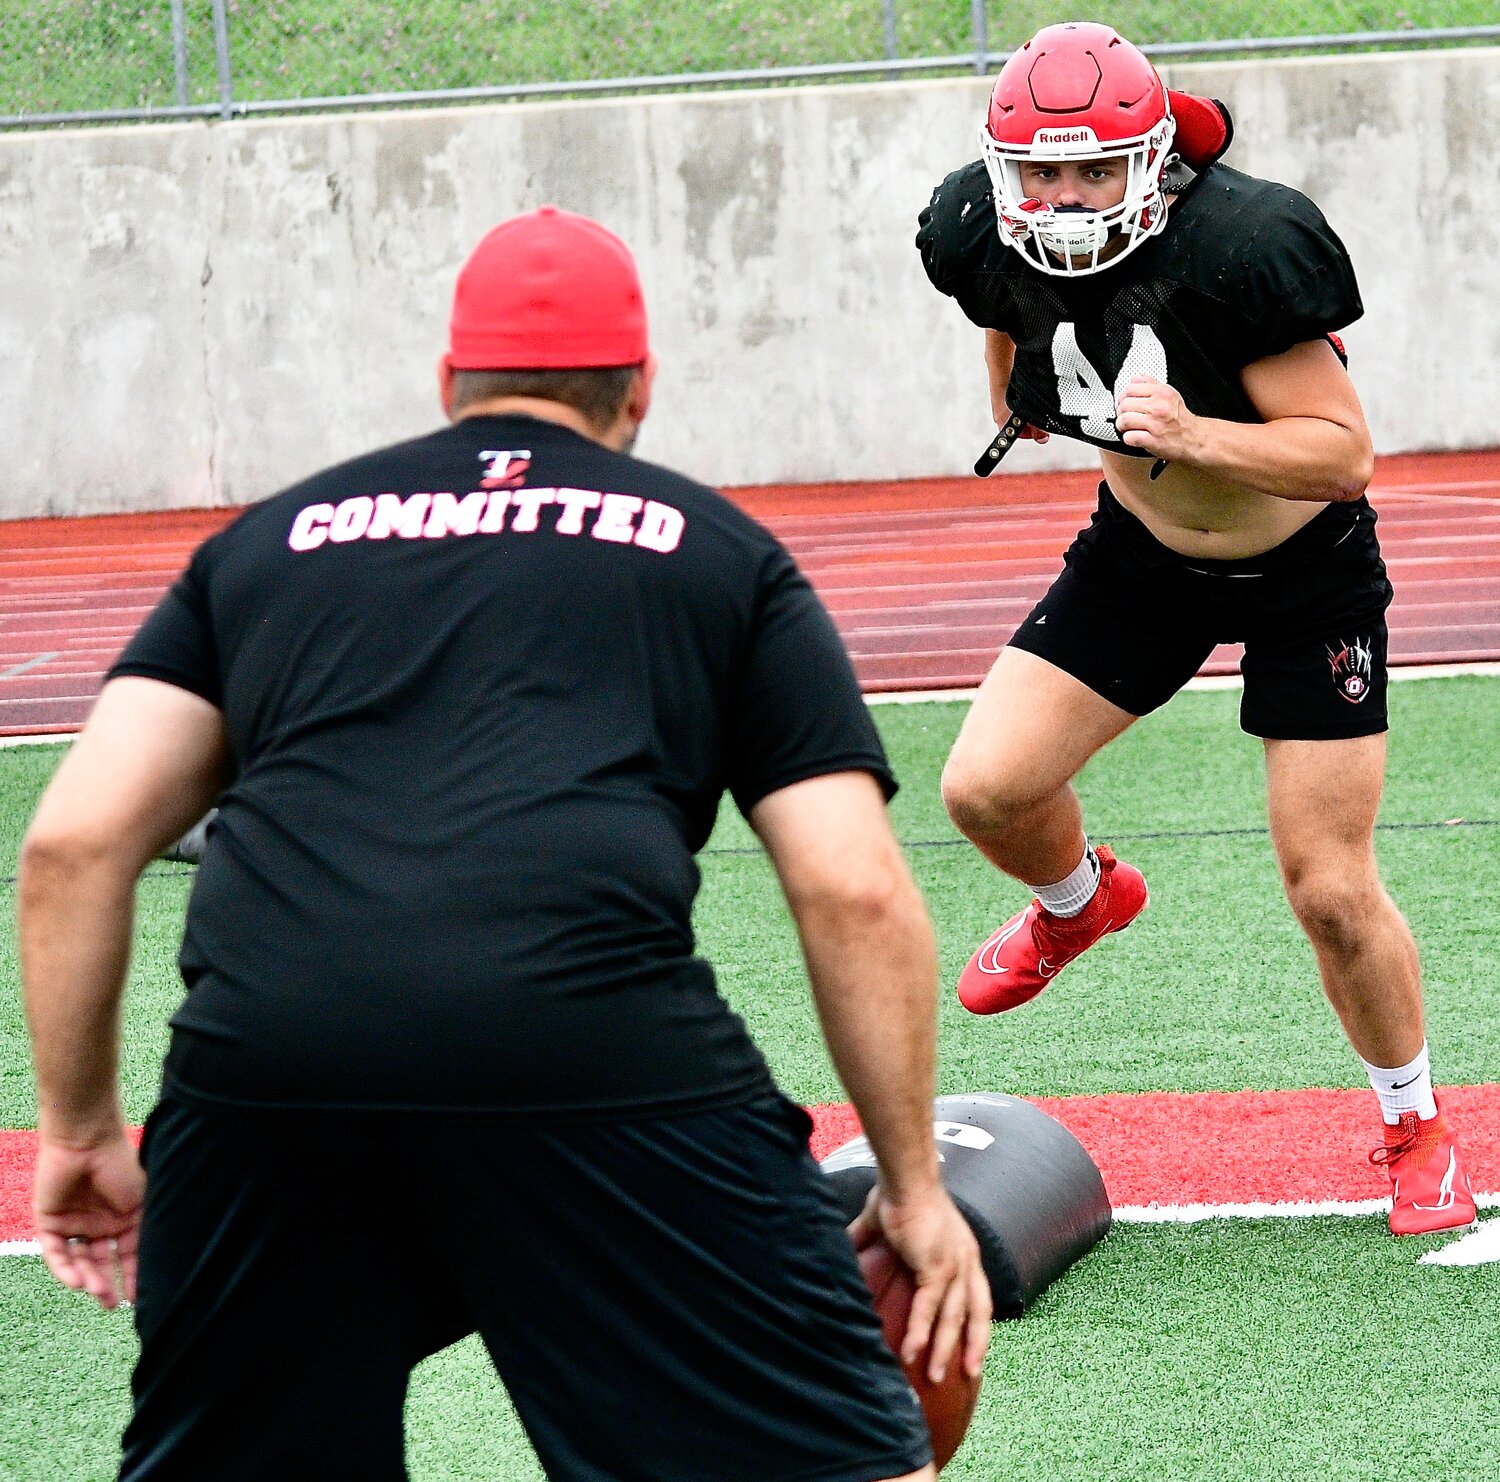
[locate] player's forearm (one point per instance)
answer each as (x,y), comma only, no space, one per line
(1297,458)
(999,360)
(74,917)
(873,965)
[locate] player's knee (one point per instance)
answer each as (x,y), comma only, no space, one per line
(871,892)
(1336,910)
(980,803)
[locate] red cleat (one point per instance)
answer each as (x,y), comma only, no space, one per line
(1015,964)
(1429,1189)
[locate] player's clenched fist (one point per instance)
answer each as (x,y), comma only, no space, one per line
(1000,410)
(1152,416)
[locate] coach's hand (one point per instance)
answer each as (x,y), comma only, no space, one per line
(1153,417)
(87,1203)
(952,1305)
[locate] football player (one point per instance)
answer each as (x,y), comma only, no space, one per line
(1183,321)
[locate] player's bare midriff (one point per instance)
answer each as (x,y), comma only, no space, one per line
(1197,514)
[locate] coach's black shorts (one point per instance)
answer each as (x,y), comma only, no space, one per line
(1134,621)
(664,1299)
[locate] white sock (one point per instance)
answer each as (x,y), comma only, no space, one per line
(1072,893)
(1404,1088)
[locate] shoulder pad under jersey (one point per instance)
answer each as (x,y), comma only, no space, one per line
(956,228)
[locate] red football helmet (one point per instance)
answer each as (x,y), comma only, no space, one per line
(1077,91)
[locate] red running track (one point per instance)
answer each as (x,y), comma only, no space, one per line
(926,579)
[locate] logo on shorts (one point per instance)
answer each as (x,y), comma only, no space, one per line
(1353,667)
(504,468)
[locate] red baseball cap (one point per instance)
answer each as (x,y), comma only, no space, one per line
(548,291)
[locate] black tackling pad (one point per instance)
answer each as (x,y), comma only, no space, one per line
(189,848)
(1033,1196)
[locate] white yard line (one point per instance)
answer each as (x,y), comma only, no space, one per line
(1305,1209)
(1479,1247)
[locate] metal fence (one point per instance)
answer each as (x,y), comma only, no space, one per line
(80,61)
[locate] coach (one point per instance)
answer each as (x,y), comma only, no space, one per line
(447,1061)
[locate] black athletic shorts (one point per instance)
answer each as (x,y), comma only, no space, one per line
(664,1299)
(1134,621)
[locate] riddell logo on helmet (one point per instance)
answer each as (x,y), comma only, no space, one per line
(1065,136)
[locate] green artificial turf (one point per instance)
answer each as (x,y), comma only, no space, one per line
(1277,1349)
(64,1381)
(1252,1351)
(108,54)
(1236,1350)
(24,771)
(1213,989)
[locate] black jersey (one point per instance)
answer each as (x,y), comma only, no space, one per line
(483,692)
(1245,268)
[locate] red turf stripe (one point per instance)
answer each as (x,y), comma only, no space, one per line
(1239,1147)
(17,1159)
(1166,1147)
(17,1163)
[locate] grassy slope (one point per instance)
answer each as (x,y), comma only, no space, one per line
(1216,1351)
(96,54)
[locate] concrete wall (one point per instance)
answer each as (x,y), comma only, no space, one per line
(198,314)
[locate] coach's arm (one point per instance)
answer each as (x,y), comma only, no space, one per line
(873,966)
(148,763)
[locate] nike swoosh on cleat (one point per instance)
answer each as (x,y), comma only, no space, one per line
(986,962)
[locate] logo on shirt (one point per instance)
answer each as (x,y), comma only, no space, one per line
(504,468)
(1352,666)
(619,519)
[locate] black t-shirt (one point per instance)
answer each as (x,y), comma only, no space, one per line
(483,692)
(1245,268)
